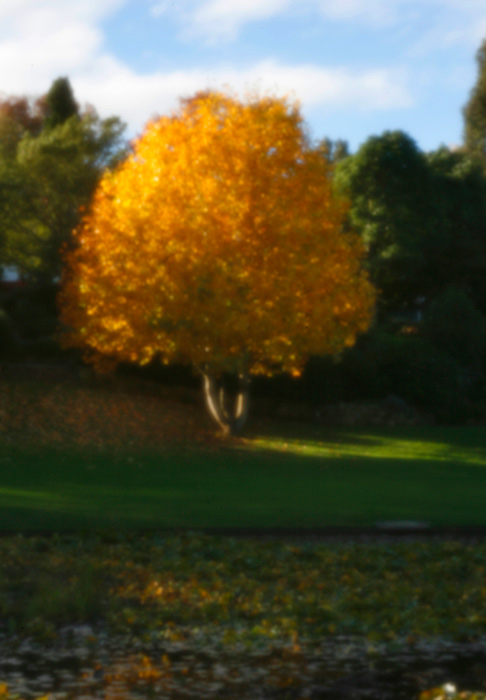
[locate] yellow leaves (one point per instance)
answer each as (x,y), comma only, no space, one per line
(223,222)
(114,324)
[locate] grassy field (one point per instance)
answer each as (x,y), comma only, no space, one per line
(88,458)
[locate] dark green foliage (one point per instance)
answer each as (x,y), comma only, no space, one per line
(417,371)
(423,220)
(9,343)
(334,151)
(428,375)
(461,197)
(393,208)
(104,144)
(60,104)
(32,324)
(423,374)
(475,110)
(456,327)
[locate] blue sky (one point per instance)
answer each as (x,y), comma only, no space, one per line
(358,67)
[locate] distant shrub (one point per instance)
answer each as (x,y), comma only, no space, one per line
(9,346)
(381,364)
(422,374)
(455,326)
(32,322)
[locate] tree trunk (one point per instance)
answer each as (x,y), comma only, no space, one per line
(217,400)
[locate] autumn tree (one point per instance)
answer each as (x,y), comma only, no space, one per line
(218,243)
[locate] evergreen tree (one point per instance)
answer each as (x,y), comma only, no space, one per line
(60,103)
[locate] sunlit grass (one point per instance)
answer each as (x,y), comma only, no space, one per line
(376,446)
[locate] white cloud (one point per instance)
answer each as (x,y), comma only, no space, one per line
(114,88)
(335,87)
(445,23)
(41,40)
(21,12)
(48,38)
(221,19)
(374,12)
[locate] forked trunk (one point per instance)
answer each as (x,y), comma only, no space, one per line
(231,418)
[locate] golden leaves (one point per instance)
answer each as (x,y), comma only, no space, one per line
(218,237)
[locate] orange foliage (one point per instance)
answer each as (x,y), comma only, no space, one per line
(217,243)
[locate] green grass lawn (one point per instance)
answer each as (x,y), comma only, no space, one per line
(284,475)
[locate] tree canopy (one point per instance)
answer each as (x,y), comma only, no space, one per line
(218,243)
(60,104)
(51,158)
(460,187)
(474,111)
(394,209)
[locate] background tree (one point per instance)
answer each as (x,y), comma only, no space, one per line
(457,327)
(218,243)
(18,116)
(334,151)
(460,187)
(47,173)
(51,159)
(60,104)
(394,209)
(474,111)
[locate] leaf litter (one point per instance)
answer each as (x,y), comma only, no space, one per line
(194,616)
